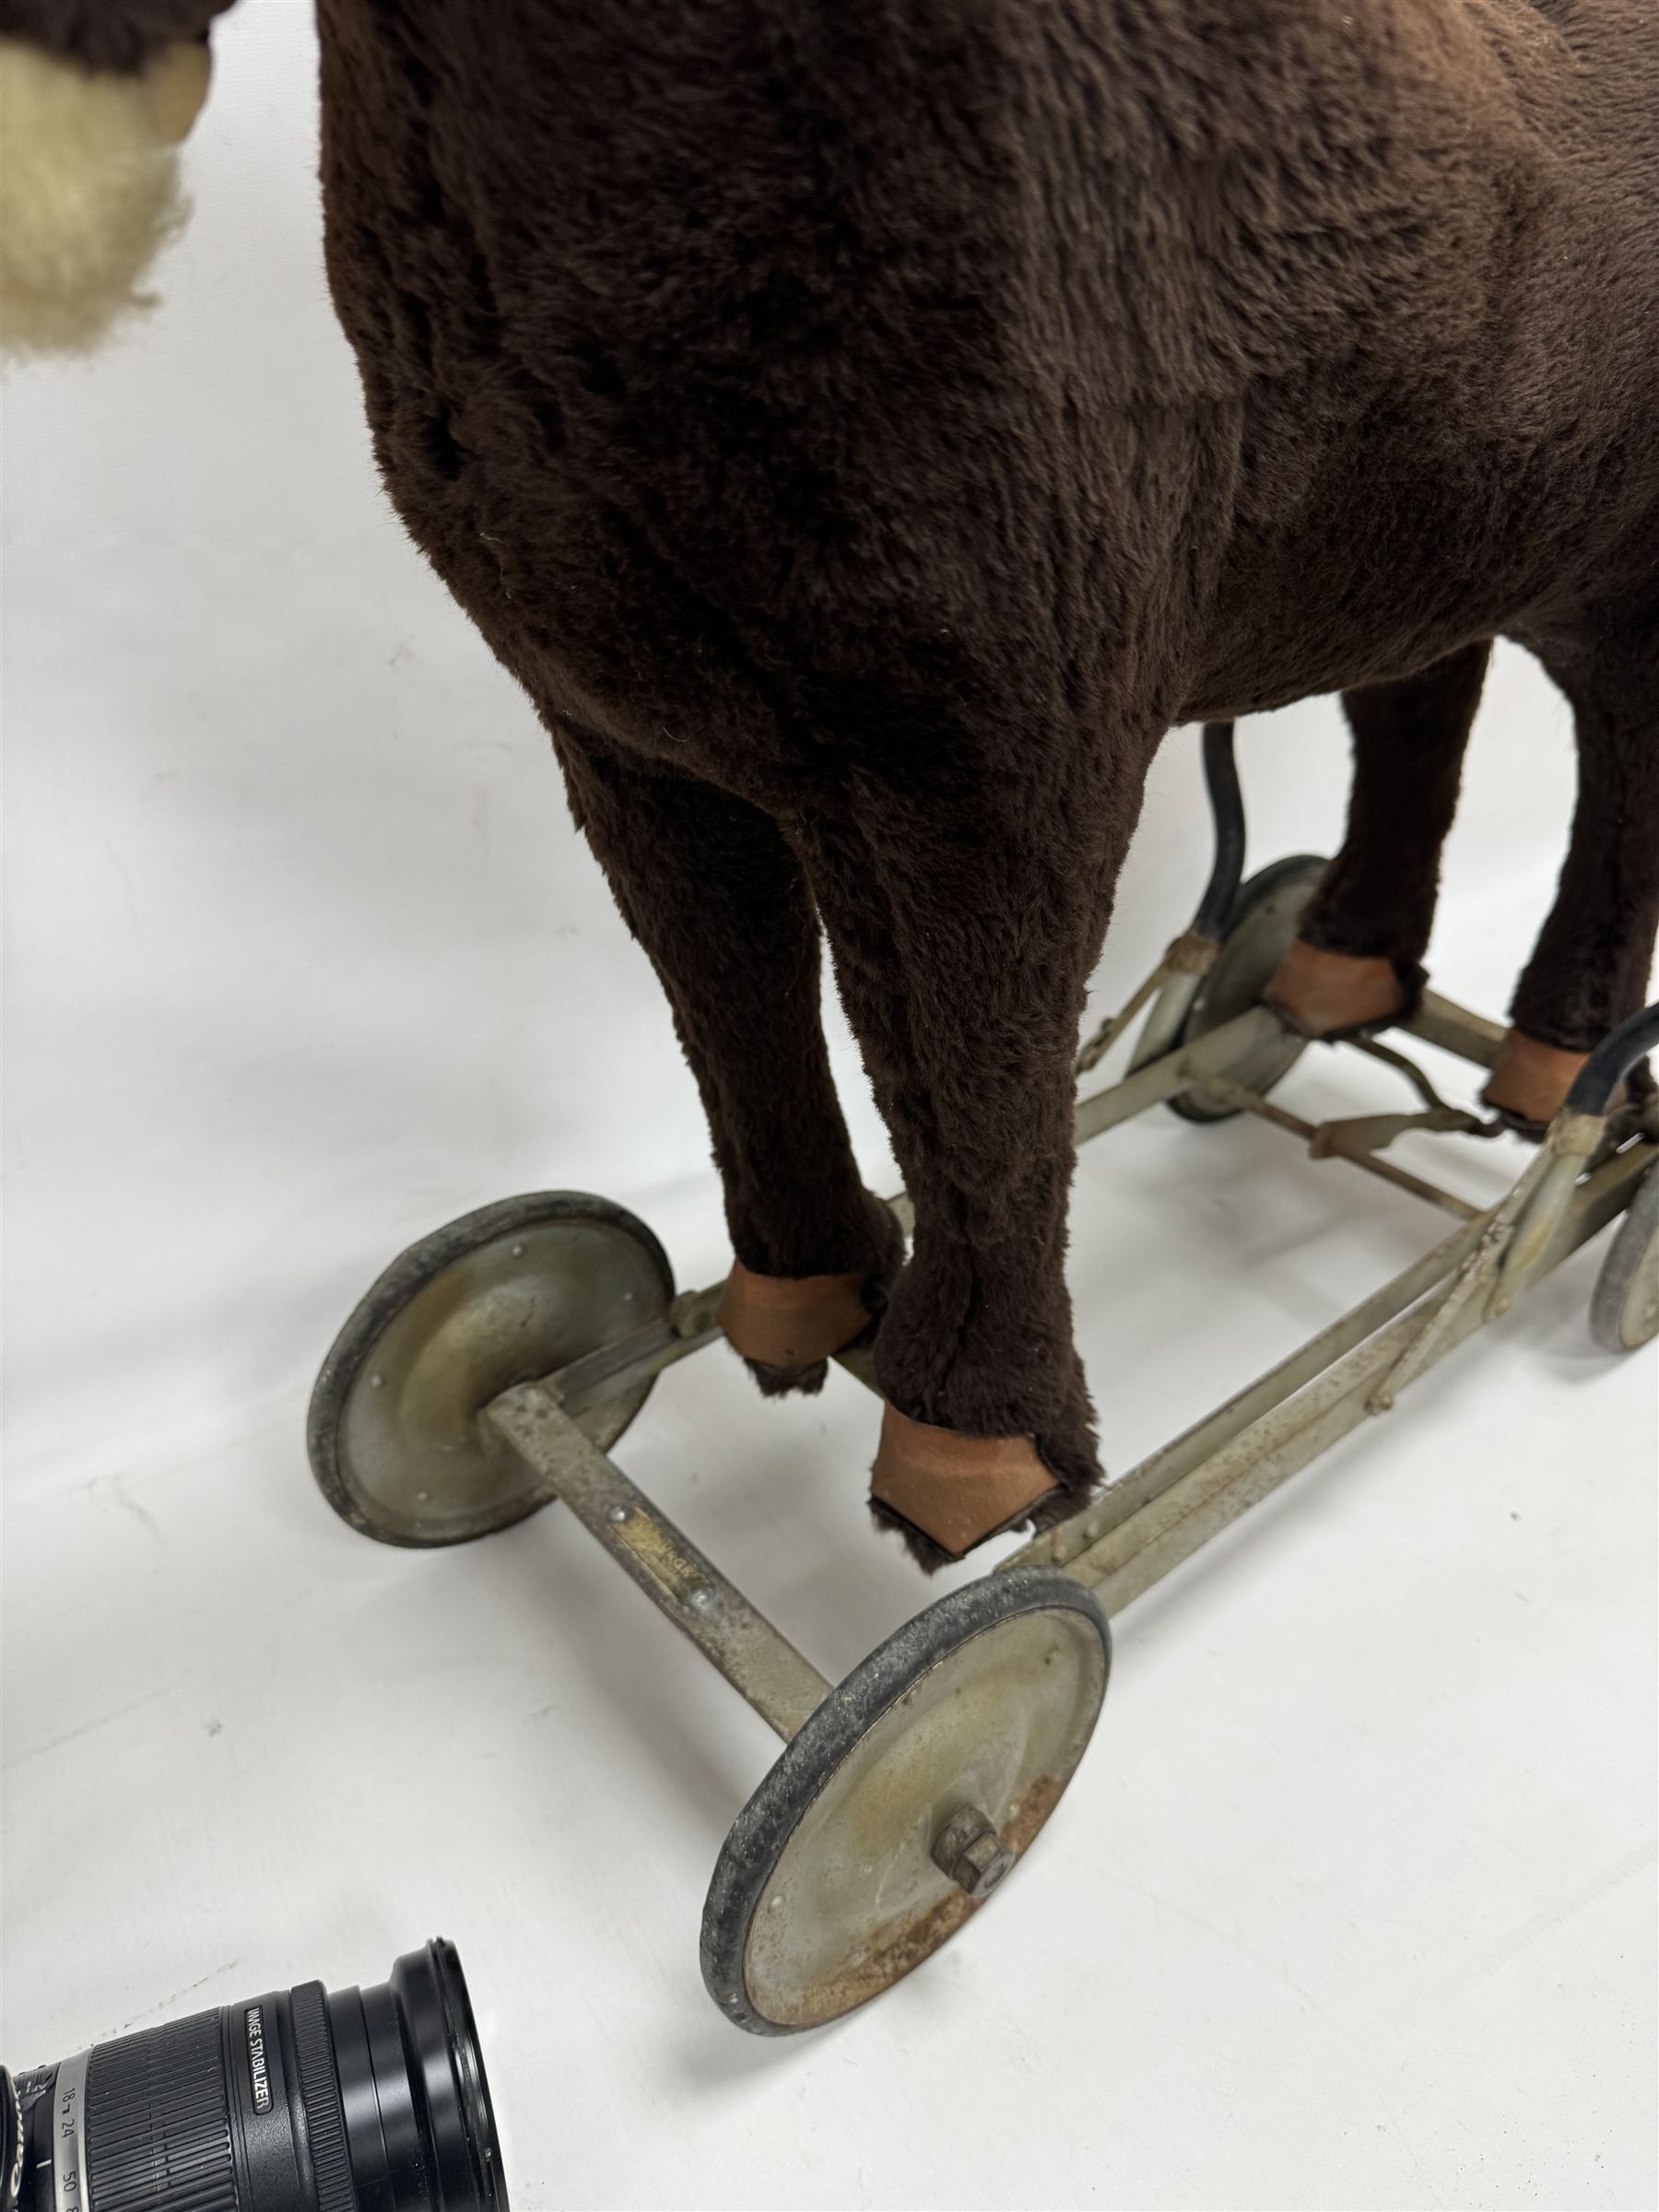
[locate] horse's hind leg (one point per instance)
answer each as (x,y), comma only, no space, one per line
(715,896)
(1357,960)
(965,916)
(1590,968)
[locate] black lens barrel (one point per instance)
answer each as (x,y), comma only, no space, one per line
(447,2069)
(316,2068)
(367,2101)
(156,2124)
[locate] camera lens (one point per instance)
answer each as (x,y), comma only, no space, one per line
(363,2100)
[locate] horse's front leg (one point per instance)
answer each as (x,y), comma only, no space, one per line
(717,898)
(965,913)
(1357,960)
(1592,961)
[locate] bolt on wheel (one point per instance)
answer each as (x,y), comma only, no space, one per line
(1266,916)
(905,1801)
(499,1297)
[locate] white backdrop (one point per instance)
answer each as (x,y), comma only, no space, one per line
(1352,1903)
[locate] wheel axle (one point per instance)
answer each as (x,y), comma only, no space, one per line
(971,1852)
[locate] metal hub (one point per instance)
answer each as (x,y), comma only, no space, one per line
(904,1801)
(497,1297)
(972,1854)
(1264,919)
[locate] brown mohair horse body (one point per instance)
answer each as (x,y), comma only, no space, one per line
(864,429)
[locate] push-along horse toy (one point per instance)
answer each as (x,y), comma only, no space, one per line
(865,430)
(907,1792)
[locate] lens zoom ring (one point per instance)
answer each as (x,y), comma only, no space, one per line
(157,2128)
(320,2086)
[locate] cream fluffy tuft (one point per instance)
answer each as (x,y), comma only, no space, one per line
(89,192)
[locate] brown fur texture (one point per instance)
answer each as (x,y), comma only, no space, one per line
(865,430)
(1377,899)
(108,34)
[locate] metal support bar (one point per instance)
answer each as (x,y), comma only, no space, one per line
(1471,1036)
(1263,1109)
(1182,1517)
(689,1325)
(1571,1142)
(763,1665)
(1185,964)
(1470,1289)
(1057,1546)
(1374,1049)
(1107,1035)
(1158,1080)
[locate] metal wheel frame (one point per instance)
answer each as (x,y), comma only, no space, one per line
(1633,1254)
(391,1294)
(808,1762)
(1147,1521)
(1271,1061)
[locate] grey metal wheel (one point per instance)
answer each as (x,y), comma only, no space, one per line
(1624,1306)
(496,1298)
(1264,919)
(904,1801)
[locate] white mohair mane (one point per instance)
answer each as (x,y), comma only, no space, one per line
(89,191)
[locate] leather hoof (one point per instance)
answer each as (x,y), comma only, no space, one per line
(1530,1082)
(955,1490)
(791,1321)
(1334,993)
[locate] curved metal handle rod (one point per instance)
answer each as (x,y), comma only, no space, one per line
(1612,1061)
(1227,814)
